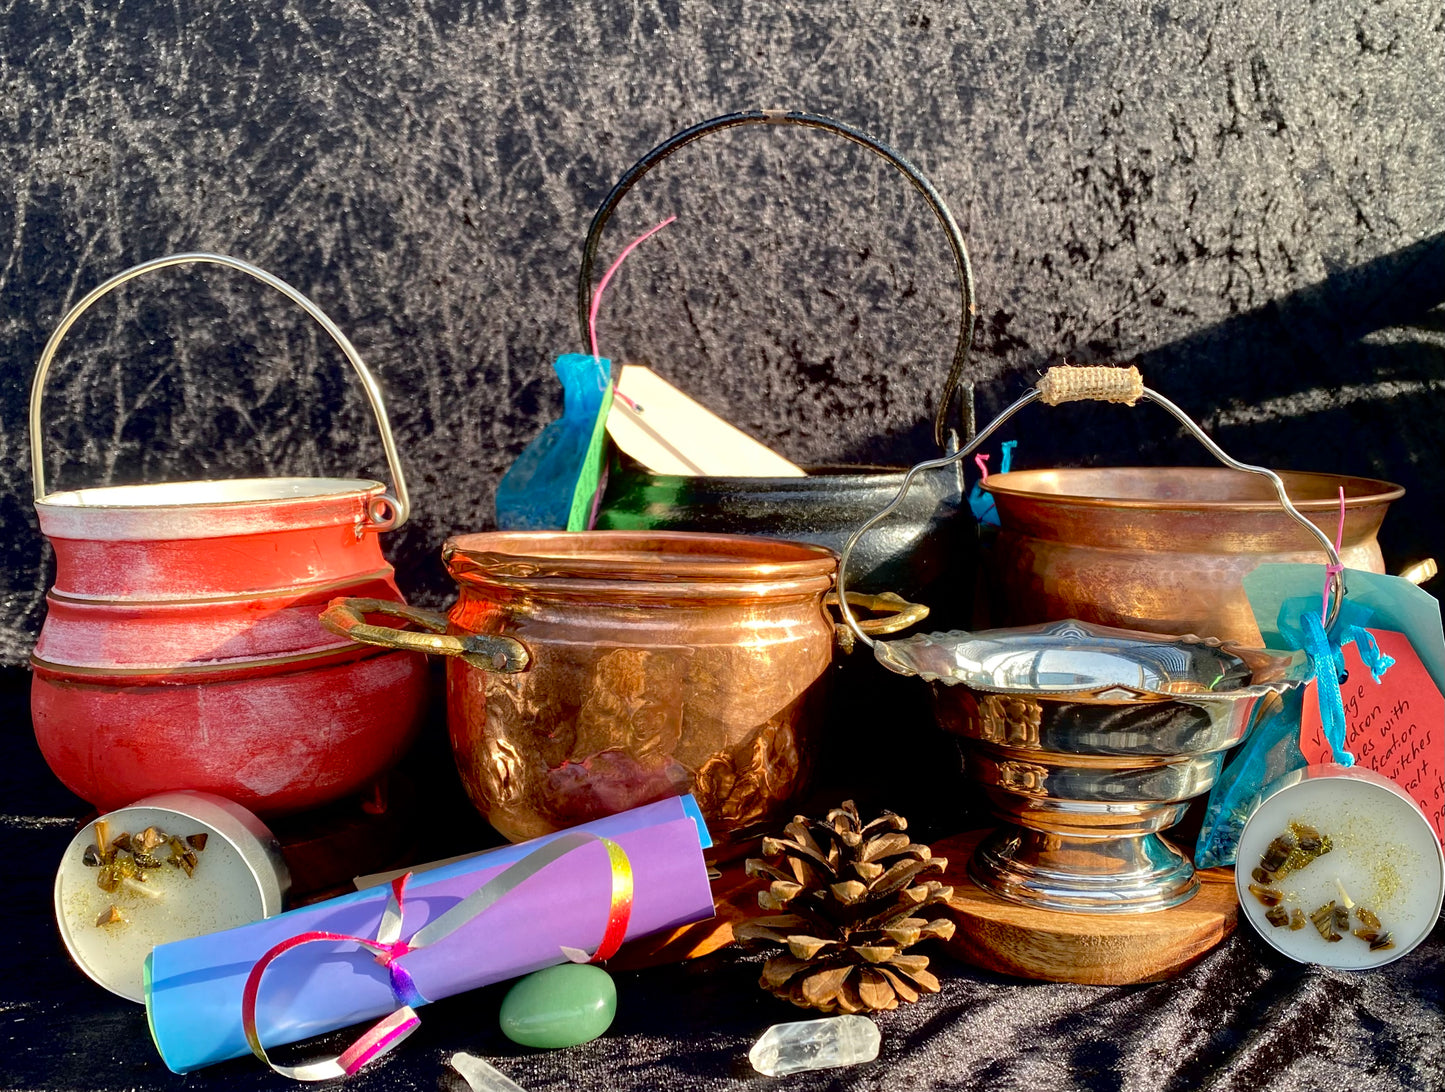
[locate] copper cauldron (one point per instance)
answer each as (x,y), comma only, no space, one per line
(1089,741)
(1164,549)
(597,671)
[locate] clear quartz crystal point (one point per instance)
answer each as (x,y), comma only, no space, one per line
(815,1044)
(482,1077)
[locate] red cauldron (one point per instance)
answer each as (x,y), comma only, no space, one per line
(181,648)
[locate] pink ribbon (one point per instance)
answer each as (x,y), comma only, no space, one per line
(389,948)
(1332,570)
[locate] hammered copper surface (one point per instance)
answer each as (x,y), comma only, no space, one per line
(660,664)
(1163,549)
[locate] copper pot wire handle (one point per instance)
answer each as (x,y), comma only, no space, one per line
(1104,383)
(954,384)
(386,512)
(487,652)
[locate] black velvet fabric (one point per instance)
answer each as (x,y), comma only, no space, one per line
(1244,198)
(1241,1020)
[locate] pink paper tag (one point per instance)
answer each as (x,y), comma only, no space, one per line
(1395,727)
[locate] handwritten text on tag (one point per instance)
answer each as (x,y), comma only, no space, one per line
(1395,727)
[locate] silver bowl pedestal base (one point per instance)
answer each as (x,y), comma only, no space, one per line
(1088,741)
(1097,875)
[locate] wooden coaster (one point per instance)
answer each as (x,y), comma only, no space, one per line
(1095,949)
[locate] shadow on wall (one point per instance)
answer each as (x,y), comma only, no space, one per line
(1363,335)
(1346,377)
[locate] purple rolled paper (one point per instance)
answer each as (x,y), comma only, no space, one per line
(193,987)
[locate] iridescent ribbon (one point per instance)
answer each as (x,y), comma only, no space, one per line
(389,948)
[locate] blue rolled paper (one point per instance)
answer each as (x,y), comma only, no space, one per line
(193,987)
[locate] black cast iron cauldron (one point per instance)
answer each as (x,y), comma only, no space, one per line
(928,553)
(929,549)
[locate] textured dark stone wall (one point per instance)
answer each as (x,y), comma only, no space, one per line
(1246,197)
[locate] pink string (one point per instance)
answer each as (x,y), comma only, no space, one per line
(1332,570)
(597,296)
(980,461)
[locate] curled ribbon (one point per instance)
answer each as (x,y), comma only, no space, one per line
(981,503)
(389,948)
(1328,659)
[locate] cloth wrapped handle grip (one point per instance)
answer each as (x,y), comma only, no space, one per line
(487,652)
(1090,383)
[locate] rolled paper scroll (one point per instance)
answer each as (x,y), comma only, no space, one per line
(194,988)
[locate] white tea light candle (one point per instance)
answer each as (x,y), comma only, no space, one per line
(216,867)
(1338,866)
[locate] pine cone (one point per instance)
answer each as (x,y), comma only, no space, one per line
(851,898)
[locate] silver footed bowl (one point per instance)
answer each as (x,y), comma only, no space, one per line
(1088,741)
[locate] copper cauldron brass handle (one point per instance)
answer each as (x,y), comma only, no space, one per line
(1096,383)
(896,614)
(489,653)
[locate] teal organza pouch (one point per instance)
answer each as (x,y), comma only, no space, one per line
(1273,748)
(553,482)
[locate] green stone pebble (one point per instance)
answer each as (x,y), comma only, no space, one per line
(560,1006)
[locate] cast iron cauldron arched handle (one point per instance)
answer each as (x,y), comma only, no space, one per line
(386,512)
(1096,383)
(811,121)
(487,652)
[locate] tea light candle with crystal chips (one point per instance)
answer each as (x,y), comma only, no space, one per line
(170,866)
(1338,866)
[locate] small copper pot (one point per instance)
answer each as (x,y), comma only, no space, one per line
(593,672)
(1164,549)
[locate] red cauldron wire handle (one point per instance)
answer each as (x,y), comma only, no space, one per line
(386,512)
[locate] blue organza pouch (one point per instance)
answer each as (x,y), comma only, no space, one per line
(553,482)
(1273,748)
